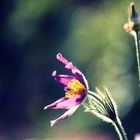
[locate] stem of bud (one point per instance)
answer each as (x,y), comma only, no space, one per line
(119,128)
(137,43)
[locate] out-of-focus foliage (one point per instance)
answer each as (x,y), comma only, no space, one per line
(87,32)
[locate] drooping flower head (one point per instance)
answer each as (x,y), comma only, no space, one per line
(75,86)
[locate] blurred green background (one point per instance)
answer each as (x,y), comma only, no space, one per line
(87,32)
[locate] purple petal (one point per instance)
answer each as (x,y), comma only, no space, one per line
(63,79)
(67,114)
(61,59)
(76,72)
(68,65)
(55,103)
(67,89)
(67,103)
(71,102)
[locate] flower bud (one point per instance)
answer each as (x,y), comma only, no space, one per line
(133,23)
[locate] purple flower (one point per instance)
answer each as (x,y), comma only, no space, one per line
(75,86)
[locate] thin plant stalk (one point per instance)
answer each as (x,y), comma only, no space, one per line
(137,43)
(133,27)
(119,128)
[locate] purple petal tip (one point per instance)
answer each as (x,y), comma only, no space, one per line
(54,73)
(46,107)
(58,55)
(52,123)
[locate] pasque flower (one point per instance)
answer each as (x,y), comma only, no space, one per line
(75,87)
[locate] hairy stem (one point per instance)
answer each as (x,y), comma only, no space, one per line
(119,128)
(137,43)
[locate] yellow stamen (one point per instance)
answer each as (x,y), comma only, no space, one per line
(75,88)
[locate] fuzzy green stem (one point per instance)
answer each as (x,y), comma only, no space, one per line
(120,130)
(137,43)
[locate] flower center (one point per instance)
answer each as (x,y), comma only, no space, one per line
(75,88)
